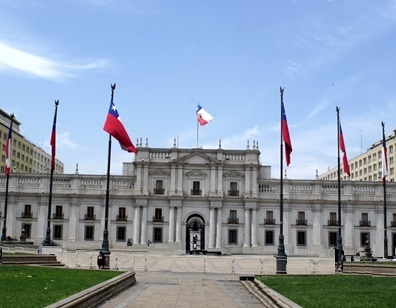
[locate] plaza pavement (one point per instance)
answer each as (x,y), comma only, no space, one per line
(171,289)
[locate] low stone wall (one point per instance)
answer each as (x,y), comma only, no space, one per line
(377,269)
(98,294)
(238,264)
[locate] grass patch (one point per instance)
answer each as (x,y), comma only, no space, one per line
(32,286)
(335,290)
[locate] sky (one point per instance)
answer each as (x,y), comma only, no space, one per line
(230,56)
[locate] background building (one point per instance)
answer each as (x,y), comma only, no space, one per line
(26,157)
(368,166)
(224,200)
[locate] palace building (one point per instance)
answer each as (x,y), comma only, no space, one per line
(171,200)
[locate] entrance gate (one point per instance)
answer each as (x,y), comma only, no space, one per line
(195,234)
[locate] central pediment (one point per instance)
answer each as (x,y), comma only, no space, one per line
(197,159)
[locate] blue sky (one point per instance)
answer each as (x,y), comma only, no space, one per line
(230,56)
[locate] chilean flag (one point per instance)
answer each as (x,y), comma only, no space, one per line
(344,157)
(384,159)
(8,151)
(203,116)
(115,128)
(286,136)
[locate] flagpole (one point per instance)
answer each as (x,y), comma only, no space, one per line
(197,132)
(48,241)
(384,188)
(339,238)
(105,242)
(281,257)
(3,235)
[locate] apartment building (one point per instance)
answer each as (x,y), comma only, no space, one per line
(368,166)
(26,157)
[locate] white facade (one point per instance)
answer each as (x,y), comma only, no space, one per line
(170,200)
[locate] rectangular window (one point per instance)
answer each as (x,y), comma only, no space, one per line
(158,215)
(121,214)
(27,213)
(90,213)
(301,219)
(269,237)
(232,237)
(57,232)
(159,187)
(121,234)
(196,188)
(333,219)
(157,235)
(89,233)
(233,189)
(364,236)
(269,218)
(233,218)
(364,220)
(58,212)
(332,239)
(301,238)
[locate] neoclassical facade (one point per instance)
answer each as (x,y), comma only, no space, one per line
(170,200)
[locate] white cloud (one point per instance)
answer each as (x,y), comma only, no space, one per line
(12,58)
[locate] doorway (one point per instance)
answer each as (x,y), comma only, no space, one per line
(195,234)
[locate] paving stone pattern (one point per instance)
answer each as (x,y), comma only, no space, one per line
(170,289)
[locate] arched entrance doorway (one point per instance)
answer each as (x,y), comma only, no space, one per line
(195,233)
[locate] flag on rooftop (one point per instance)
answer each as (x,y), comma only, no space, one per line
(115,128)
(203,116)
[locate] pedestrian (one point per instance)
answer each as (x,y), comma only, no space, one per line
(101,260)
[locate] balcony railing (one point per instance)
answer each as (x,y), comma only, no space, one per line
(365,223)
(233,220)
(301,222)
(121,217)
(196,192)
(159,191)
(57,216)
(158,219)
(233,192)
(27,215)
(332,222)
(269,221)
(89,217)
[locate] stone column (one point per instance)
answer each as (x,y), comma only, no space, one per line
(211,228)
(144,226)
(173,180)
(348,214)
(254,227)
(180,181)
(220,181)
(73,219)
(171,224)
(218,228)
(254,182)
(136,222)
(145,180)
(246,241)
(178,224)
(247,182)
(213,183)
(138,179)
(41,219)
